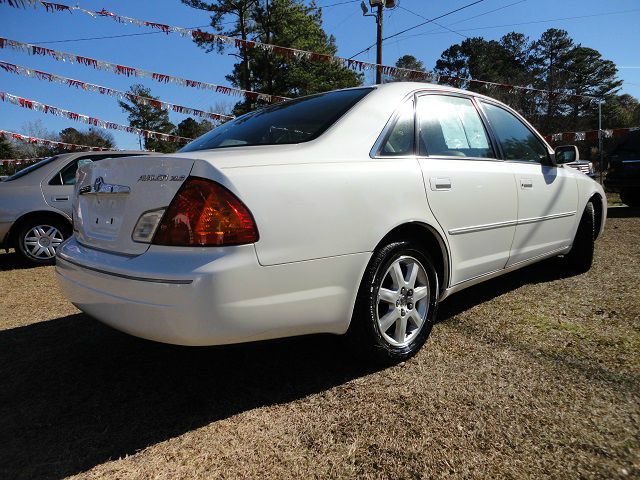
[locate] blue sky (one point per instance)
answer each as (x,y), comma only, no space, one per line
(616,36)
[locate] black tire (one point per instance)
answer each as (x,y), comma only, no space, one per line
(631,199)
(47,223)
(580,258)
(366,336)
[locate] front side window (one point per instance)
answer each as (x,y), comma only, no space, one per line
(399,140)
(294,121)
(451,127)
(517,141)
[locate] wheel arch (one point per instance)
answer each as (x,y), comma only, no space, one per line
(432,242)
(598,207)
(10,240)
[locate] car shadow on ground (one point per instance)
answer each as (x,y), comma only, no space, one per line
(76,393)
(13,261)
(622,212)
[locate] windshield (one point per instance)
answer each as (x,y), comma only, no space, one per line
(294,121)
(30,168)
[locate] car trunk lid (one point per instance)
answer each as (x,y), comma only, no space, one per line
(112,194)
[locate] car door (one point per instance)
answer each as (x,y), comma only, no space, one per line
(470,191)
(547,194)
(58,188)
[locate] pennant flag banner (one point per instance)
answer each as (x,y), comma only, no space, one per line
(28,72)
(299,54)
(96,122)
(588,135)
(47,143)
(135,72)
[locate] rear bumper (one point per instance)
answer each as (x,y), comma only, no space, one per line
(209,296)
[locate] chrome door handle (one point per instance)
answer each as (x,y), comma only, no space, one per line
(526,183)
(61,198)
(443,183)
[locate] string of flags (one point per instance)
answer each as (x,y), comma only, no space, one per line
(30,49)
(44,142)
(298,54)
(40,75)
(96,122)
(588,135)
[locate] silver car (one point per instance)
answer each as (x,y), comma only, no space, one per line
(35,204)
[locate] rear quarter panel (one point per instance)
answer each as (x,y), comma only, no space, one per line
(314,210)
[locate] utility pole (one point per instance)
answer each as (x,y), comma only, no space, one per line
(380,4)
(379,45)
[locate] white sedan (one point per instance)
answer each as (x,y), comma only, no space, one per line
(354,211)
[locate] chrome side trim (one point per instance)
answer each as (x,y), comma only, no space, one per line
(509,223)
(496,273)
(524,221)
(122,275)
(480,228)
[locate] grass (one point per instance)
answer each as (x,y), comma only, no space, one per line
(532,375)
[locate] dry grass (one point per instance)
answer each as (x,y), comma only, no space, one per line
(532,375)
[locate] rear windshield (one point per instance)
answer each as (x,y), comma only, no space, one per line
(30,168)
(294,121)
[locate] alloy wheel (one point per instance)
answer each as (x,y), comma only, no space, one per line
(403,301)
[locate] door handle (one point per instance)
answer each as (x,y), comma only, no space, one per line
(526,183)
(60,198)
(442,183)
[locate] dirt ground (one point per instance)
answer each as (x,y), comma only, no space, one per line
(531,375)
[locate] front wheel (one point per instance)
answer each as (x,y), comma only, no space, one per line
(397,303)
(580,258)
(38,239)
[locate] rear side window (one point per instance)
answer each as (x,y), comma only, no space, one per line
(451,127)
(30,168)
(399,140)
(516,139)
(294,121)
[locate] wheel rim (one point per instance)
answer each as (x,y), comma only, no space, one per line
(42,241)
(403,301)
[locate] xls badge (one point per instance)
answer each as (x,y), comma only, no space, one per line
(161,178)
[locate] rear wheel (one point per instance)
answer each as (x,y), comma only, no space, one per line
(39,237)
(580,258)
(397,303)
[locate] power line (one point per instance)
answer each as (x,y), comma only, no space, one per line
(529,23)
(487,12)
(336,4)
(107,37)
(419,25)
(438,24)
(469,18)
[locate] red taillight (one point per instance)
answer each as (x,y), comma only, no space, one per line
(205,213)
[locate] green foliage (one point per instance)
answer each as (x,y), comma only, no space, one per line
(92,138)
(553,63)
(6,149)
(191,128)
(149,117)
(408,62)
(288,23)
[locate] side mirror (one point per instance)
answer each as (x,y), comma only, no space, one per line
(567,154)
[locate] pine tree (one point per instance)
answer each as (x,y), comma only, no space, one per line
(6,149)
(149,117)
(287,23)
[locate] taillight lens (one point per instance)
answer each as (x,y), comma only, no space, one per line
(204,213)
